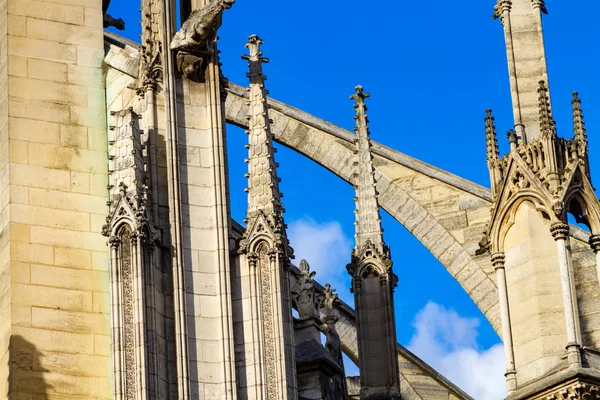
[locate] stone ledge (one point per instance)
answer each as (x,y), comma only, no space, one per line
(566,384)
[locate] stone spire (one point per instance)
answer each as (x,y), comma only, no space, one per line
(368,220)
(547,124)
(523,34)
(493,154)
(263,183)
(491,139)
(373,280)
(580,133)
(266,249)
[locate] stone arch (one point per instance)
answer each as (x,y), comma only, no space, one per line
(446,213)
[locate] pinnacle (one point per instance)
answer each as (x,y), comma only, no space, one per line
(546,120)
(490,136)
(253,45)
(360,95)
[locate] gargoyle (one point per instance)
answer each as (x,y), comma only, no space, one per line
(109,20)
(193,41)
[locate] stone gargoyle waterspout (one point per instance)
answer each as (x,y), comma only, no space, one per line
(193,42)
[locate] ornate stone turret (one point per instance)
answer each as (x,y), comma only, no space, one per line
(540,182)
(522,22)
(266,247)
(373,281)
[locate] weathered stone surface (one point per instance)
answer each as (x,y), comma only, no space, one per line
(421,214)
(53,289)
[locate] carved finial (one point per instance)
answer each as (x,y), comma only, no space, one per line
(253,45)
(491,138)
(360,106)
(547,125)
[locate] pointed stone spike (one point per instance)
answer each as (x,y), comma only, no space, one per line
(547,125)
(491,138)
(367,206)
(578,120)
(264,196)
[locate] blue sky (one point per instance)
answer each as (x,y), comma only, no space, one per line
(432,69)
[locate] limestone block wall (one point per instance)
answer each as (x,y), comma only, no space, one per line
(526,62)
(59,302)
(248,357)
(203,194)
(5,314)
(535,295)
(588,293)
(203,184)
(120,96)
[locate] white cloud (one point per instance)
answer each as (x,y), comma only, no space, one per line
(448,342)
(327,251)
(444,339)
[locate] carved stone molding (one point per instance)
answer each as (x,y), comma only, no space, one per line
(595,243)
(559,231)
(498,260)
(574,391)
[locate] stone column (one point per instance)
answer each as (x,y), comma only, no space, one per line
(560,233)
(511,373)
(115,317)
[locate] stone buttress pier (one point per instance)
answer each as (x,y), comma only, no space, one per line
(373,280)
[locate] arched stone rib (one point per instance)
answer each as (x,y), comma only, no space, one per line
(445,212)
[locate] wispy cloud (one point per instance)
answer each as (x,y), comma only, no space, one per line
(327,251)
(448,342)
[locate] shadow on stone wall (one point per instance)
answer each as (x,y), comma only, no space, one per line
(26,374)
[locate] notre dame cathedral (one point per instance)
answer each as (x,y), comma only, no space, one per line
(124,276)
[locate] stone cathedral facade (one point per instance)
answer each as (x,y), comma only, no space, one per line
(123,275)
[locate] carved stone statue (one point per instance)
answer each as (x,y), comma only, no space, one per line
(327,303)
(193,41)
(109,20)
(304,292)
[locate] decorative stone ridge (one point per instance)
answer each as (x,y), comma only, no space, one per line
(559,231)
(573,391)
(595,243)
(549,171)
(498,260)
